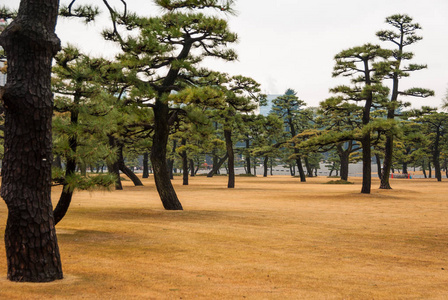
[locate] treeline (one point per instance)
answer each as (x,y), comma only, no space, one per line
(159,99)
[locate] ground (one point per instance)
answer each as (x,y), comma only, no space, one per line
(269,238)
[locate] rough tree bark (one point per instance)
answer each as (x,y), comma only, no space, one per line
(231,158)
(158,156)
(30,43)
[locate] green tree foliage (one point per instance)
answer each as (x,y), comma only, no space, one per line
(77,81)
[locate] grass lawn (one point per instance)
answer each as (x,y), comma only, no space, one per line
(269,238)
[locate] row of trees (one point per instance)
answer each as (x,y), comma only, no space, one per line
(157,99)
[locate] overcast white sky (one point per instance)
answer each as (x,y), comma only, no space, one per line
(291,43)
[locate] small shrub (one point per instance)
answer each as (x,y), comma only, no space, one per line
(340,181)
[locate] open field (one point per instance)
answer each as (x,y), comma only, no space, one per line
(269,238)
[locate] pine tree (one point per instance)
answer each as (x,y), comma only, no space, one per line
(176,43)
(361,63)
(403,35)
(288,107)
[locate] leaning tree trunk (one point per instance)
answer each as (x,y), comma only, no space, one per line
(123,168)
(30,43)
(231,158)
(300,168)
(218,165)
(158,157)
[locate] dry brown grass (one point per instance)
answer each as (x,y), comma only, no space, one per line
(269,238)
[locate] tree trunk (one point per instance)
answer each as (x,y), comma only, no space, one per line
(309,170)
(344,158)
(57,162)
(387,164)
(248,171)
(123,168)
(114,167)
(366,165)
(265,166)
(30,43)
(405,168)
(184,163)
(255,166)
(218,165)
(429,170)
(231,159)
(378,165)
(158,157)
(436,157)
(192,170)
(300,168)
(145,165)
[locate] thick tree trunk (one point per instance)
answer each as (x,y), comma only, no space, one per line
(184,164)
(436,158)
(145,165)
(158,157)
(31,245)
(231,158)
(123,168)
(344,158)
(405,168)
(218,165)
(429,170)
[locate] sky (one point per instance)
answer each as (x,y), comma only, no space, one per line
(292,43)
